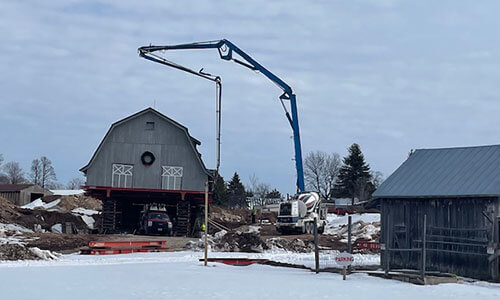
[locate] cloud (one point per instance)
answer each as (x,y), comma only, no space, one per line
(389,75)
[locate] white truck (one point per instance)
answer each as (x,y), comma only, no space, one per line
(298,215)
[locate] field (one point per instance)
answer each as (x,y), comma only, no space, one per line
(179,275)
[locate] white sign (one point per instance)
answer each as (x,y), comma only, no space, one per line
(344,259)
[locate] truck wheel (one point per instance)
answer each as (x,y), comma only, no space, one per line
(321,230)
(309,228)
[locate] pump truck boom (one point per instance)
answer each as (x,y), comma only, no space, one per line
(227,51)
(300,213)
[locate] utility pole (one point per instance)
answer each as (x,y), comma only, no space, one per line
(206,223)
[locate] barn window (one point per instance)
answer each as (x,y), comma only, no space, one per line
(122,176)
(150,125)
(171,178)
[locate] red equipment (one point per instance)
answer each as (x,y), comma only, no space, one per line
(124,247)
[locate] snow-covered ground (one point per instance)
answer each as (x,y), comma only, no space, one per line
(179,275)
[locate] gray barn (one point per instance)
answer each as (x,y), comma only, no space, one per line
(458,192)
(144,158)
(22,194)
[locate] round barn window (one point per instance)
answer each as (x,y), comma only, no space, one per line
(147,158)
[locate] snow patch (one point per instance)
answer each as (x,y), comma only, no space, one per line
(15,228)
(67,192)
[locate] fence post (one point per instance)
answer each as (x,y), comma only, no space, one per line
(316,248)
(349,239)
(386,254)
(424,234)
(205,242)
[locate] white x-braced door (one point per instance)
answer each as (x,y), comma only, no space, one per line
(171,178)
(122,176)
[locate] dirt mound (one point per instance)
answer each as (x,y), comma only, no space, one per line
(295,245)
(59,242)
(230,218)
(70,202)
(46,219)
(8,211)
(240,242)
(16,252)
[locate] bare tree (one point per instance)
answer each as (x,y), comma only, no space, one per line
(75,183)
(14,173)
(259,191)
(377,179)
(35,175)
(321,171)
(54,185)
(48,175)
(3,177)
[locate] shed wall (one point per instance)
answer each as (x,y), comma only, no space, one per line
(469,220)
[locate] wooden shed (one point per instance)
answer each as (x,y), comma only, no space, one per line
(22,194)
(440,212)
(147,158)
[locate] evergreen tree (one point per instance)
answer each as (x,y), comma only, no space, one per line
(354,179)
(237,196)
(274,194)
(220,191)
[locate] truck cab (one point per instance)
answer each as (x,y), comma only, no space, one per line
(155,220)
(299,214)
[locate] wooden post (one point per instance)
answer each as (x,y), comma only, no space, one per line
(344,273)
(206,223)
(387,255)
(424,233)
(316,250)
(349,238)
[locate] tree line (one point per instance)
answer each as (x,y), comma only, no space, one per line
(233,194)
(332,177)
(42,172)
(327,174)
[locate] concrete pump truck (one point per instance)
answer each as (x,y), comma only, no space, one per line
(300,212)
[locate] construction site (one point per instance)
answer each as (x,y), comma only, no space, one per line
(150,126)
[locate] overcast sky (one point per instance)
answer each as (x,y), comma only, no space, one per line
(389,75)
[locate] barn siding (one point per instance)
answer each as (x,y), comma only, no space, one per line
(128,141)
(402,227)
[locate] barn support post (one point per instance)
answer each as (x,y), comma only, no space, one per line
(424,233)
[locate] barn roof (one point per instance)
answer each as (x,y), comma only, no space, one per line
(463,171)
(14,187)
(194,141)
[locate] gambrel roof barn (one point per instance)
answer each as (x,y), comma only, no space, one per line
(146,156)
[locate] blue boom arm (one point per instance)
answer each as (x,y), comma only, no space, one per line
(226,50)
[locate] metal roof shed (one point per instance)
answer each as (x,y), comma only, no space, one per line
(458,190)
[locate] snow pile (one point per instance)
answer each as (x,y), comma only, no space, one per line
(13,246)
(18,251)
(67,192)
(39,204)
(365,227)
(86,215)
(15,228)
(67,204)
